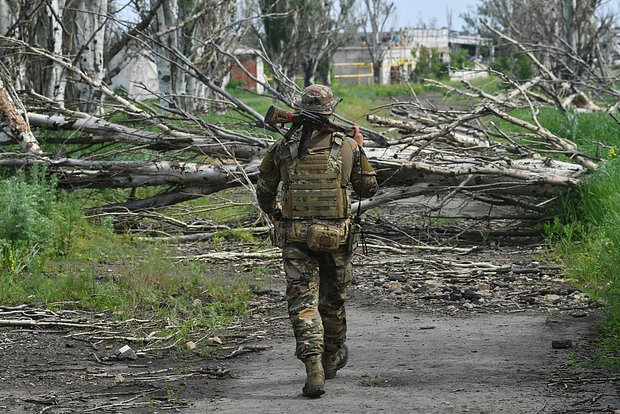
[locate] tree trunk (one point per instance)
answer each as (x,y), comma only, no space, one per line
(309,67)
(89,35)
(166,18)
(13,123)
(57,80)
(100,131)
(376,72)
(323,70)
(8,14)
(76,173)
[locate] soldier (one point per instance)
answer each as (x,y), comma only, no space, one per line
(316,233)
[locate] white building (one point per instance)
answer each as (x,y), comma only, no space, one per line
(352,64)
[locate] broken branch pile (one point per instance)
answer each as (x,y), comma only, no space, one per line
(422,149)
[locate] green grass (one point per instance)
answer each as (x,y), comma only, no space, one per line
(259,103)
(595,134)
(357,100)
(136,281)
(586,234)
(231,206)
(587,241)
(50,255)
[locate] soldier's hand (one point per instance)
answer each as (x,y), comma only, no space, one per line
(357,135)
(277,213)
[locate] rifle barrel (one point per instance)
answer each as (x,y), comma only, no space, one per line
(276,115)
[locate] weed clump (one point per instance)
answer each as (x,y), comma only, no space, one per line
(588,242)
(36,221)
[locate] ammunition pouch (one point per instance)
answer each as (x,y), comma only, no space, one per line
(319,237)
(326,237)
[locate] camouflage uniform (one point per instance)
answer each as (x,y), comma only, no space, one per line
(316,280)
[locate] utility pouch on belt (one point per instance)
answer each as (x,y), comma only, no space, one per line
(276,234)
(354,236)
(326,237)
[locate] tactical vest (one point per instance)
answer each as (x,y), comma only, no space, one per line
(315,189)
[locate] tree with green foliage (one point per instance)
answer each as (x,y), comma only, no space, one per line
(192,27)
(302,34)
(429,65)
(459,60)
(515,63)
(328,25)
(280,33)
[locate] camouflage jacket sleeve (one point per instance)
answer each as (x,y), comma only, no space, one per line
(363,176)
(268,180)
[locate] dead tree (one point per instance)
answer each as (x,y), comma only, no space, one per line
(14,123)
(420,150)
(380,15)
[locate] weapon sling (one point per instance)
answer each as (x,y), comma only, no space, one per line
(358,216)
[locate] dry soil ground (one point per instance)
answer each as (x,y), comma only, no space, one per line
(451,331)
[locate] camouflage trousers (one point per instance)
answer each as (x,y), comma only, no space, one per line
(316,283)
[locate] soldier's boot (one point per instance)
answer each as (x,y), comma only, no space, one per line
(333,362)
(315,381)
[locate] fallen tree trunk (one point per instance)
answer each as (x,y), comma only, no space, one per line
(164,199)
(76,173)
(14,124)
(422,127)
(209,142)
(393,170)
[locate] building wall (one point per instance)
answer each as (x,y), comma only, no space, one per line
(253,64)
(237,73)
(429,38)
(138,71)
(352,65)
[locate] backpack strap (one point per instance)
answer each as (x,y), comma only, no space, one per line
(337,141)
(293,147)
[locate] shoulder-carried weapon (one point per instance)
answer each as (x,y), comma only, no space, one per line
(310,121)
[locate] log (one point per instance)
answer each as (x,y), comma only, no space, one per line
(78,173)
(410,128)
(244,147)
(447,169)
(13,123)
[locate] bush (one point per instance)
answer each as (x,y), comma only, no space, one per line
(459,60)
(429,65)
(34,223)
(515,63)
(236,84)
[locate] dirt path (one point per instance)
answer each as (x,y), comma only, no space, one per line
(425,360)
(450,331)
(402,362)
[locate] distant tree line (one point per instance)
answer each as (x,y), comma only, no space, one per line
(297,37)
(569,37)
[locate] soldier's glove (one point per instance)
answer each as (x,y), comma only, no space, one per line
(276,215)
